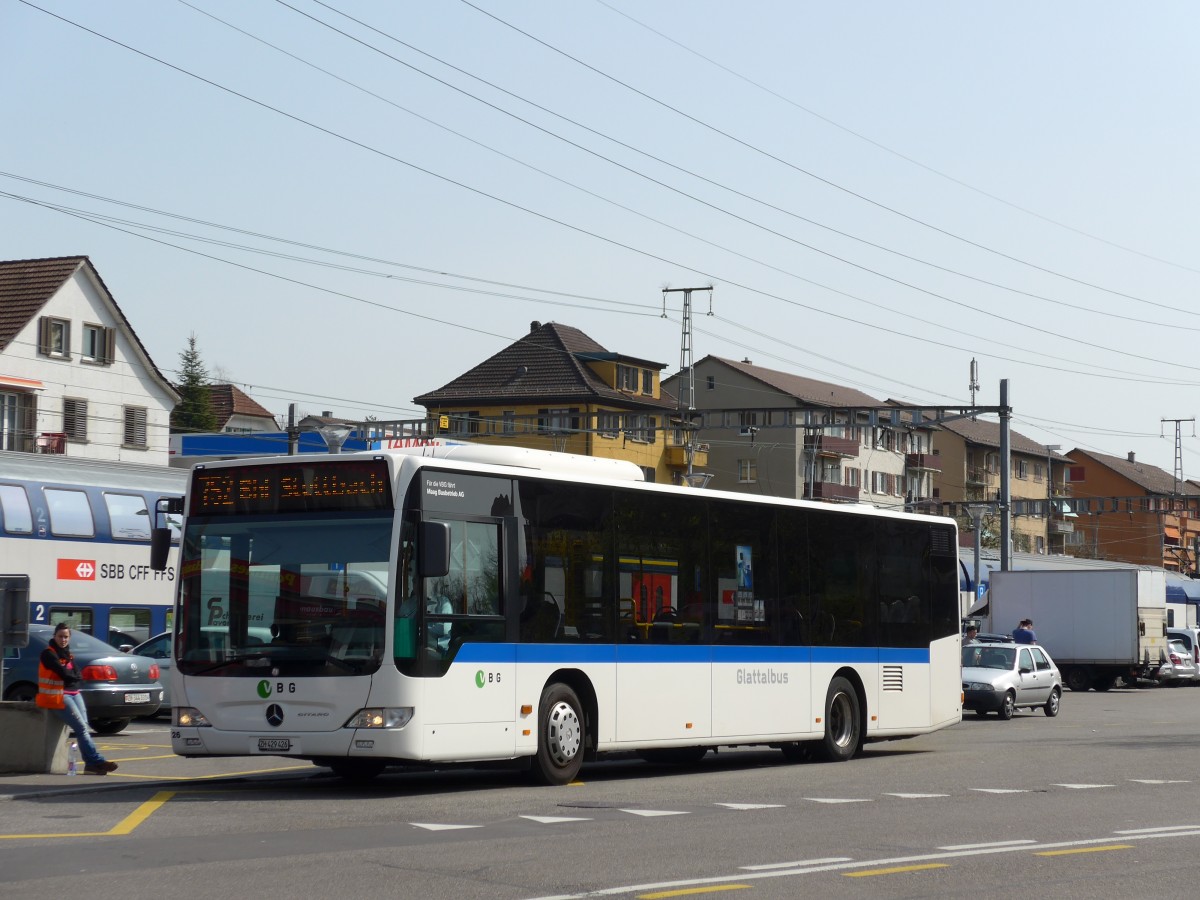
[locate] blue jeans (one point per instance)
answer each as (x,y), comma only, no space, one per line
(74,713)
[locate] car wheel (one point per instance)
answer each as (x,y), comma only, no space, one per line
(560,736)
(800,751)
(110,726)
(22,691)
(843,722)
(1053,703)
(1009,706)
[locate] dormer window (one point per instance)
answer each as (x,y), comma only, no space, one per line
(98,344)
(54,337)
(627,378)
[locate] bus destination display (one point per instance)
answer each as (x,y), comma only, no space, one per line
(325,485)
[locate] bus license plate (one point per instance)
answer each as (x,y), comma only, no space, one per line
(137,698)
(274,745)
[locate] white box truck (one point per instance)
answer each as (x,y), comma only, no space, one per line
(1098,625)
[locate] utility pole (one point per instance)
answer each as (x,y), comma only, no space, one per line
(1179,451)
(1051,449)
(1005,479)
(1179,518)
(687,374)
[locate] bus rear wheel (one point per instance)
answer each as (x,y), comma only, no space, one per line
(843,722)
(560,736)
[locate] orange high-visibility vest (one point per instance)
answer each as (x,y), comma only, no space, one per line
(50,689)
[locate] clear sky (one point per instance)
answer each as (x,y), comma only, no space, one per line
(351,203)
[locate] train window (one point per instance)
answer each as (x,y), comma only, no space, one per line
(128,516)
(79,618)
(70,513)
(14,504)
(128,625)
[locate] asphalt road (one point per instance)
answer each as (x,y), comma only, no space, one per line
(1097,803)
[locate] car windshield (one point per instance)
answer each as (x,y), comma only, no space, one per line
(983,657)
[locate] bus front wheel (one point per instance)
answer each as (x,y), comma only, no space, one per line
(843,721)
(560,736)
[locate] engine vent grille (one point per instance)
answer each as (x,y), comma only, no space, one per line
(893,678)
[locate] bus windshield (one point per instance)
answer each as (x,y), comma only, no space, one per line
(284,595)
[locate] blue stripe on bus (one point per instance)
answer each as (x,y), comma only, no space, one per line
(567,654)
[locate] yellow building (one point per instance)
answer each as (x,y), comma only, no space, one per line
(557,389)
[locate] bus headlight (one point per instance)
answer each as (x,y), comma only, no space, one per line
(186,717)
(386,717)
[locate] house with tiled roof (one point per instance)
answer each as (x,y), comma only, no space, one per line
(558,389)
(74,377)
(772,432)
(1136,520)
(237,412)
(970,455)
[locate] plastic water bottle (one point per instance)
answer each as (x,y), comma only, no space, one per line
(73,759)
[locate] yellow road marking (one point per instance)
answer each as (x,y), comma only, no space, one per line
(693,891)
(125,826)
(126,759)
(206,777)
(1085,850)
(895,870)
(142,813)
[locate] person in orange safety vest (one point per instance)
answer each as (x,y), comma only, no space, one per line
(58,691)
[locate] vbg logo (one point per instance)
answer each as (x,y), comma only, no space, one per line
(264,689)
(483,678)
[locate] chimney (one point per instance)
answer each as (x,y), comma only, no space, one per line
(327,414)
(534,326)
(1131,459)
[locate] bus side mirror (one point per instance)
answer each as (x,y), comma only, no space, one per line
(160,534)
(160,548)
(434,543)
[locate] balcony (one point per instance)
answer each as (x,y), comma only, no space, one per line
(1060,526)
(677,456)
(927,462)
(980,475)
(831,491)
(830,445)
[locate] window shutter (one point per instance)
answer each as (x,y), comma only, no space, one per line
(110,345)
(44,336)
(135,426)
(75,418)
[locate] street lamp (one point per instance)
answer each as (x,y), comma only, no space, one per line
(1050,450)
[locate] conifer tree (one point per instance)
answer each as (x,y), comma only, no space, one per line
(194,412)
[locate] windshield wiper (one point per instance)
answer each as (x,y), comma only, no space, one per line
(257,655)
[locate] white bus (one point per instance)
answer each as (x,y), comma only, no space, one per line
(80,529)
(458,604)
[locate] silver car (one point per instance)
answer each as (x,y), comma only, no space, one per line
(1178,667)
(116,686)
(1006,676)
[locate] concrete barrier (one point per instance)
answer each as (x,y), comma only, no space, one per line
(32,740)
